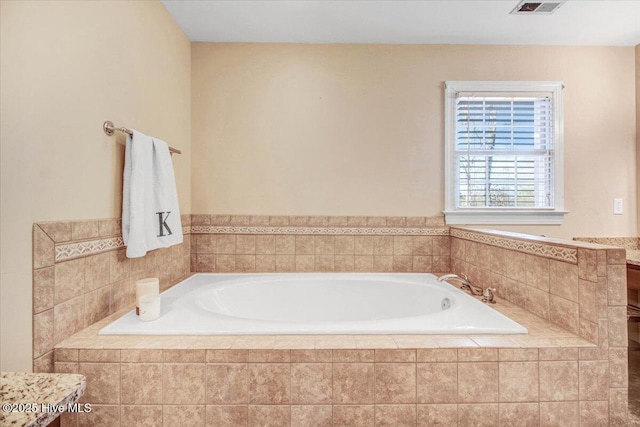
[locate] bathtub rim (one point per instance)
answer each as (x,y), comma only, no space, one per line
(402,326)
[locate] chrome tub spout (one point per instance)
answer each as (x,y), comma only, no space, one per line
(464,281)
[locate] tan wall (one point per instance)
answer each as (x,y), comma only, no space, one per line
(283,129)
(638,128)
(65,68)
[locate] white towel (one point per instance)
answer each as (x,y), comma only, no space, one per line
(150,210)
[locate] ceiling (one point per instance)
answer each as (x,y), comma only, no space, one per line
(576,22)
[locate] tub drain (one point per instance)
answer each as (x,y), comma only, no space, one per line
(446,303)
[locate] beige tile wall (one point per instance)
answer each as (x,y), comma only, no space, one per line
(416,387)
(587,296)
(321,243)
(318,221)
(71,294)
(576,295)
(632,246)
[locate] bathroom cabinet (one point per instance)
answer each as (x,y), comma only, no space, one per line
(633,277)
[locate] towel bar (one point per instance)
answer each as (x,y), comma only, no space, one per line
(109,128)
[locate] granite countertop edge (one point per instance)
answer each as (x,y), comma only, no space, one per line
(38,388)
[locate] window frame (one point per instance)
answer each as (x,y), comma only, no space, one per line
(498,215)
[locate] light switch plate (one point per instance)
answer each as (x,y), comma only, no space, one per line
(617,206)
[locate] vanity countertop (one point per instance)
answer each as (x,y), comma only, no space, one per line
(23,396)
(633,257)
(630,244)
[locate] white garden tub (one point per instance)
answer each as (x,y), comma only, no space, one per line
(317,303)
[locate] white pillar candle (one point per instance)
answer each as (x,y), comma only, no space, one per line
(149,307)
(148,286)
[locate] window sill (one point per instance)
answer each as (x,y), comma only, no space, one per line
(505,217)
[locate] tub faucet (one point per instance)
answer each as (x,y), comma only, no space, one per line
(464,281)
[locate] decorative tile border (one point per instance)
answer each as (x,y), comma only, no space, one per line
(317,221)
(546,250)
(212,229)
(91,247)
(68,251)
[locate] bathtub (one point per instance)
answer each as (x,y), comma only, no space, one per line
(316,303)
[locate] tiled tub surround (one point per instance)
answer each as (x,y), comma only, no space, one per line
(223,243)
(574,286)
(81,275)
(632,248)
(580,287)
(549,377)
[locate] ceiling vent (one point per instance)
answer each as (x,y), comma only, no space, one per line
(536,8)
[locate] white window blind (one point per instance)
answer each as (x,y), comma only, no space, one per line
(504,151)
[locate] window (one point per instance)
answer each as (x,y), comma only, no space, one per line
(503,153)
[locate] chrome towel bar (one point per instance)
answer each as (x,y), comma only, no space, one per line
(109,128)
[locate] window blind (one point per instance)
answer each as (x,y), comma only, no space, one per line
(504,151)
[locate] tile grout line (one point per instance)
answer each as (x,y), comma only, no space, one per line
(415,368)
(375,397)
(458,386)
